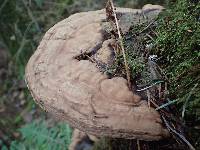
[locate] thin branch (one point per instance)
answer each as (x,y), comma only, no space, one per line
(149,25)
(173,130)
(149,98)
(150,86)
(138,145)
(110,4)
(167,104)
(126,64)
(178,134)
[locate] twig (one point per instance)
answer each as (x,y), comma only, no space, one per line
(150,37)
(138,145)
(160,91)
(150,86)
(126,64)
(149,98)
(110,3)
(169,127)
(154,103)
(173,130)
(147,26)
(91,59)
(178,134)
(167,104)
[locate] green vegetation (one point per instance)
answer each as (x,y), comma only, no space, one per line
(178,46)
(39,136)
(22,25)
(176,41)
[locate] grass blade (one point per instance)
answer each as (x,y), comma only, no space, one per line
(187,100)
(167,104)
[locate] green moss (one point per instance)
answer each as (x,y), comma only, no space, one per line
(134,42)
(176,41)
(178,45)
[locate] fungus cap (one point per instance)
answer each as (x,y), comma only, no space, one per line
(75,90)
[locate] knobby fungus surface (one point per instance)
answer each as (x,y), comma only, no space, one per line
(65,79)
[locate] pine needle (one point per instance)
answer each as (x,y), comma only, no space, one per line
(112,17)
(167,104)
(138,145)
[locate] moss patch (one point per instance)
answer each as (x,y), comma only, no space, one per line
(178,46)
(176,42)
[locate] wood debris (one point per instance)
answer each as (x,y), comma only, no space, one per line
(112,19)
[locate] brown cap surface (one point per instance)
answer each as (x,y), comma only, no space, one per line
(77,92)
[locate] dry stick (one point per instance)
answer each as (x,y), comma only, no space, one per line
(148,87)
(173,130)
(178,134)
(138,144)
(149,25)
(121,45)
(126,65)
(149,98)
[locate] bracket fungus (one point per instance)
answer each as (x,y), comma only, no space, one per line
(65,79)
